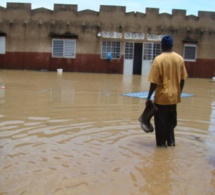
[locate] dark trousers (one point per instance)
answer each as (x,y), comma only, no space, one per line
(165,122)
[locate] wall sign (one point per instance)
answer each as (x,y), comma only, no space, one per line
(114,35)
(154,37)
(139,36)
(130,35)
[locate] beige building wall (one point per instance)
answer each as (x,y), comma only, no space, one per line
(28,31)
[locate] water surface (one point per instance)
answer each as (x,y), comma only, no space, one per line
(75,133)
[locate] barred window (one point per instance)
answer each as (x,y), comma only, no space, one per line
(64,48)
(111,46)
(129,50)
(2,45)
(156,49)
(190,52)
(151,50)
(147,51)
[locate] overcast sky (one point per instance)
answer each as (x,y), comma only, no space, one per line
(165,6)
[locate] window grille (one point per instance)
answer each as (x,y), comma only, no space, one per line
(64,48)
(111,46)
(151,50)
(129,50)
(156,49)
(190,52)
(147,51)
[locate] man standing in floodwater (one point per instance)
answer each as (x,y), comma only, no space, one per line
(166,79)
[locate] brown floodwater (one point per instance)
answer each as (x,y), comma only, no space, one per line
(75,133)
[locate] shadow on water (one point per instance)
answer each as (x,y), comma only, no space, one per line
(74,133)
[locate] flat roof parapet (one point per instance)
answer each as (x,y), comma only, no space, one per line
(25,6)
(152,11)
(178,12)
(65,8)
(107,8)
(205,14)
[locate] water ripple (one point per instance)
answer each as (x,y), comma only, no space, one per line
(73,140)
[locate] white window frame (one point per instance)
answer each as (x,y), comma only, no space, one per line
(64,48)
(151,50)
(157,50)
(111,46)
(129,50)
(2,45)
(191,59)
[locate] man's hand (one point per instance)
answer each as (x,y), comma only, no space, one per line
(147,102)
(151,90)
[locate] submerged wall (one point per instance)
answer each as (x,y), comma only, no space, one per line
(29,44)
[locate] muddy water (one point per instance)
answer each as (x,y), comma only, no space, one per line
(74,133)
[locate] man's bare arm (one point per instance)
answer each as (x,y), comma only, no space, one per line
(151,90)
(182,85)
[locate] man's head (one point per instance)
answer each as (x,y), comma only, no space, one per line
(167,42)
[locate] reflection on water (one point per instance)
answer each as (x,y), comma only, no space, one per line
(2,88)
(75,133)
(212,118)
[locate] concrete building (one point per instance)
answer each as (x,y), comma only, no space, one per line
(108,41)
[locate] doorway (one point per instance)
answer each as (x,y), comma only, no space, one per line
(139,56)
(137,64)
